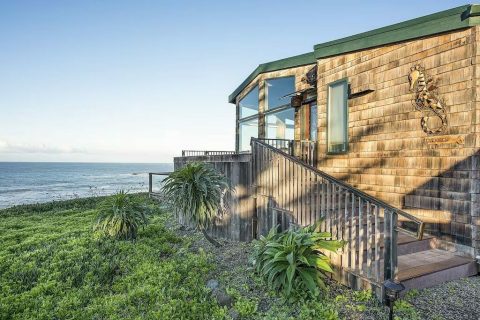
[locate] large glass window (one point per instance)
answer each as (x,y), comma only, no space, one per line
(247,130)
(249,104)
(337,113)
(276,90)
(280,125)
(313,122)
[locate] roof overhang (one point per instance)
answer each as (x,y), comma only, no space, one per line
(440,22)
(295,61)
(449,20)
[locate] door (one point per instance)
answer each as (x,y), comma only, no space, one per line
(305,149)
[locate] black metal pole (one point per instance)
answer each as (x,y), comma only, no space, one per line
(390,317)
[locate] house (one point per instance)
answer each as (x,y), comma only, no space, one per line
(377,133)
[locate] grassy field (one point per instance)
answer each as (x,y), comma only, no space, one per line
(54,266)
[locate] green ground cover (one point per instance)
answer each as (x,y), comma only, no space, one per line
(54,266)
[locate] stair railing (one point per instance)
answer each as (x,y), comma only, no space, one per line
(368,225)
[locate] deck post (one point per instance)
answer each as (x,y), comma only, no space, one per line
(150,184)
(387,273)
(394,233)
(391,264)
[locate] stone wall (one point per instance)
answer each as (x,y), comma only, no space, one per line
(432,176)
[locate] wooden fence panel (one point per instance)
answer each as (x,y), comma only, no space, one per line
(237,222)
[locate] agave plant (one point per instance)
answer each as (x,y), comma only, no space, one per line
(294,261)
(197,191)
(121,215)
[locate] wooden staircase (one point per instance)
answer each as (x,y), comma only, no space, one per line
(421,265)
(290,191)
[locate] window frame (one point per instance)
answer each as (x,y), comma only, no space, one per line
(288,103)
(345,98)
(247,118)
(310,107)
(277,110)
(239,123)
(257,86)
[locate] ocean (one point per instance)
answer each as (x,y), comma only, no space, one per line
(33,182)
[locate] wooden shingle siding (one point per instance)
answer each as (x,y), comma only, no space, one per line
(389,155)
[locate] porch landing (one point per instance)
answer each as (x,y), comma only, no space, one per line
(434,266)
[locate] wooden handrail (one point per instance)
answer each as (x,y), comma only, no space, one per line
(192,153)
(288,189)
(352,189)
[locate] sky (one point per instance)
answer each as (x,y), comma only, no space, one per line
(138,81)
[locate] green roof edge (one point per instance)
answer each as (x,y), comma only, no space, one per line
(444,21)
(453,19)
(295,61)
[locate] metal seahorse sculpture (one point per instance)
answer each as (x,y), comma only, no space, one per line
(426,100)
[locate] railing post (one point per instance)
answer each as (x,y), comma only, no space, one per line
(390,267)
(150,184)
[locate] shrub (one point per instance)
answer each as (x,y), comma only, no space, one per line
(292,261)
(196,191)
(121,215)
(246,308)
(318,310)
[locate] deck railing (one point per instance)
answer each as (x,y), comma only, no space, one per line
(368,225)
(305,150)
(193,153)
(151,192)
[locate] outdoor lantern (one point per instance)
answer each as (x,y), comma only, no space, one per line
(296,101)
(392,292)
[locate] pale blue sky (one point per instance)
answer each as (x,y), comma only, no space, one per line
(137,81)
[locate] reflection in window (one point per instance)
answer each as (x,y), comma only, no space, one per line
(277,89)
(337,116)
(279,125)
(249,104)
(313,122)
(247,130)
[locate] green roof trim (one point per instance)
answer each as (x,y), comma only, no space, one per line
(295,61)
(444,21)
(453,19)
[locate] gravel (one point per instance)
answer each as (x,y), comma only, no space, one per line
(458,299)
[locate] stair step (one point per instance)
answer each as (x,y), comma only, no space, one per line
(431,267)
(406,245)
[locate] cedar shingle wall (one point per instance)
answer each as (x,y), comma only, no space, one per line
(389,154)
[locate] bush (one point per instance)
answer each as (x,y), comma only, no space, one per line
(196,191)
(292,261)
(121,215)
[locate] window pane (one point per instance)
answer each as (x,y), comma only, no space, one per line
(313,122)
(279,125)
(249,104)
(276,90)
(247,130)
(337,117)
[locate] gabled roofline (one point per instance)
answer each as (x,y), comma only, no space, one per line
(295,61)
(453,19)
